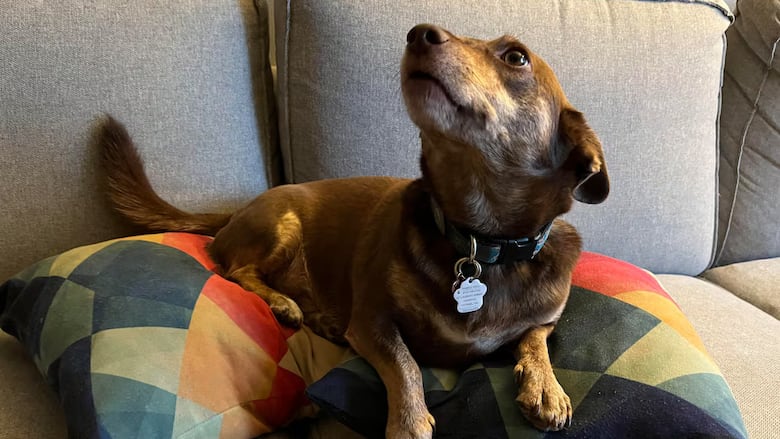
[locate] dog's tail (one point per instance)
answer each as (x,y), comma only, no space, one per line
(133,196)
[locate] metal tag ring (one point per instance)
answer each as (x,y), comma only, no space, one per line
(472,248)
(462,261)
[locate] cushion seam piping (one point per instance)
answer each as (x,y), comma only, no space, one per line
(743,141)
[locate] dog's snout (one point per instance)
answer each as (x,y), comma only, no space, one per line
(424,35)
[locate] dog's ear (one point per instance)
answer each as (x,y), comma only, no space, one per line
(581,153)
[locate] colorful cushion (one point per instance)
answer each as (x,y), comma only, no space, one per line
(140,339)
(628,358)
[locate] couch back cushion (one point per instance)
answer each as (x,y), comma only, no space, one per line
(190,80)
(646,74)
(750,136)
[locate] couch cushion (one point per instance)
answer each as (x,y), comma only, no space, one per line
(750,135)
(753,281)
(743,340)
(646,74)
(189,78)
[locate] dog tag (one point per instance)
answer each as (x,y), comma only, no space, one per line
(469,295)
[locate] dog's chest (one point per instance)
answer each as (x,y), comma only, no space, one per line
(439,335)
(480,338)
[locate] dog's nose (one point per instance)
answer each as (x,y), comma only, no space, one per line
(424,35)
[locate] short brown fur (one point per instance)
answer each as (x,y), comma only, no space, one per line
(362,259)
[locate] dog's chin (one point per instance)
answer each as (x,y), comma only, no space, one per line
(429,104)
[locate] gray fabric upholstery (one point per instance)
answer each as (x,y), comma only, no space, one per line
(646,74)
(750,157)
(757,282)
(190,79)
(744,342)
(29,407)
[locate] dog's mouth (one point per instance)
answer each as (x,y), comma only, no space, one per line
(419,75)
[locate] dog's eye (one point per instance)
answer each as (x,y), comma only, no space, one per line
(515,58)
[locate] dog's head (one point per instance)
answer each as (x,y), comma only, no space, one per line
(498,103)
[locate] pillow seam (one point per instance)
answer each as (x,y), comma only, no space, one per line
(743,142)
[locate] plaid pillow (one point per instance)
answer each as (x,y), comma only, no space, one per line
(623,351)
(141,339)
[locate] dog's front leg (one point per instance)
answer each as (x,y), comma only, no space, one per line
(380,343)
(541,398)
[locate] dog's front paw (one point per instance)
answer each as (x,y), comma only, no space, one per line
(541,398)
(286,310)
(418,426)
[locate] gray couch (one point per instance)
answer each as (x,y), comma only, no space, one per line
(694,166)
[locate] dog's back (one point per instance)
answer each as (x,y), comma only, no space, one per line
(300,239)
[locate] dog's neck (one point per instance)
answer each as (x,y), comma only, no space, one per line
(483,195)
(488,250)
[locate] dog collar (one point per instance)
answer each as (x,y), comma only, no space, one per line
(491,250)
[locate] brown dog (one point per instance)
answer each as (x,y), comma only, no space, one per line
(398,267)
